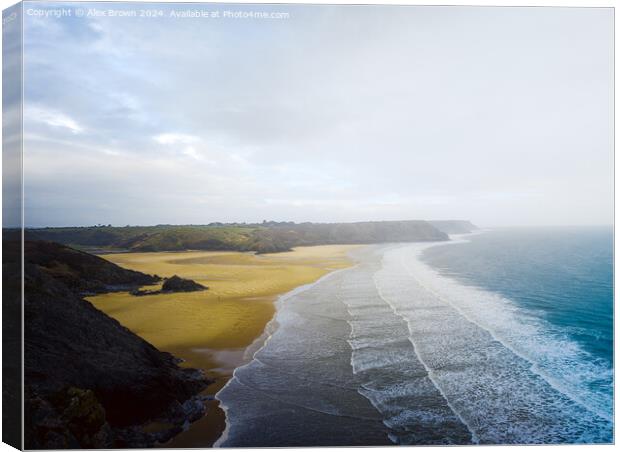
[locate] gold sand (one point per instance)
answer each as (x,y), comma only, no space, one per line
(210,329)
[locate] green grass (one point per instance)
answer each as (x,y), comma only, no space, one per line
(153,238)
(261,238)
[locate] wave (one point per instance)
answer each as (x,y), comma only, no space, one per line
(257,345)
(393,378)
(300,377)
(489,359)
(552,354)
(393,351)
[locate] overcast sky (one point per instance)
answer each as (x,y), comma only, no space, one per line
(502,116)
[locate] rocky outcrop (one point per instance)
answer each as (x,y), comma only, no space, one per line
(90,382)
(178,284)
(74,418)
(172,285)
(68,419)
(81,272)
(11,340)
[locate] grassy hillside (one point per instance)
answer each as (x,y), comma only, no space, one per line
(266,237)
(151,238)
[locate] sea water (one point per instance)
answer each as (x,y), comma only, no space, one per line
(561,280)
(494,338)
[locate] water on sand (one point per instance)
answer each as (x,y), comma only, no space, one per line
(389,351)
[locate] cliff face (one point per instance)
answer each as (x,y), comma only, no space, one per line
(285,236)
(454,226)
(81,272)
(11,341)
(90,382)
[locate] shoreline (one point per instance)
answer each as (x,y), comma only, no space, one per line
(271,328)
(423,304)
(234,308)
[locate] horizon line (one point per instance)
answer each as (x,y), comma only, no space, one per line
(267,222)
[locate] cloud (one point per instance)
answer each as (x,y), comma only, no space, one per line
(52,118)
(393,113)
(190,151)
(175,138)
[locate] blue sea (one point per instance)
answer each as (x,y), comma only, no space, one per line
(562,277)
(497,337)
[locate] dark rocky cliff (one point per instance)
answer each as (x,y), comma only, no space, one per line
(81,272)
(90,382)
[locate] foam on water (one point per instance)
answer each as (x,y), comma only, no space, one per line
(384,359)
(298,389)
(490,360)
(559,360)
(251,351)
(392,351)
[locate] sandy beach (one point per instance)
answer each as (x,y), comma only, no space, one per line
(210,330)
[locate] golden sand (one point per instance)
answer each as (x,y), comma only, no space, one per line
(210,329)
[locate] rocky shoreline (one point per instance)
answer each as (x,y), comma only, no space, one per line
(173,284)
(89,381)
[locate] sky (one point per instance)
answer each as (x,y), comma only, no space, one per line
(502,116)
(11,118)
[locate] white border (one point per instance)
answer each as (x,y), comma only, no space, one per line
(562,3)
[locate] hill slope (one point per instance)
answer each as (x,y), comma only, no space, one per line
(89,381)
(263,238)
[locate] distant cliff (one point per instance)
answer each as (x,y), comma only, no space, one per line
(263,238)
(89,381)
(286,236)
(454,226)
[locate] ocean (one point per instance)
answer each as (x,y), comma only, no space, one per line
(499,337)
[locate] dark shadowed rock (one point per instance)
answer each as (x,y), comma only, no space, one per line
(81,272)
(70,418)
(171,285)
(89,381)
(178,284)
